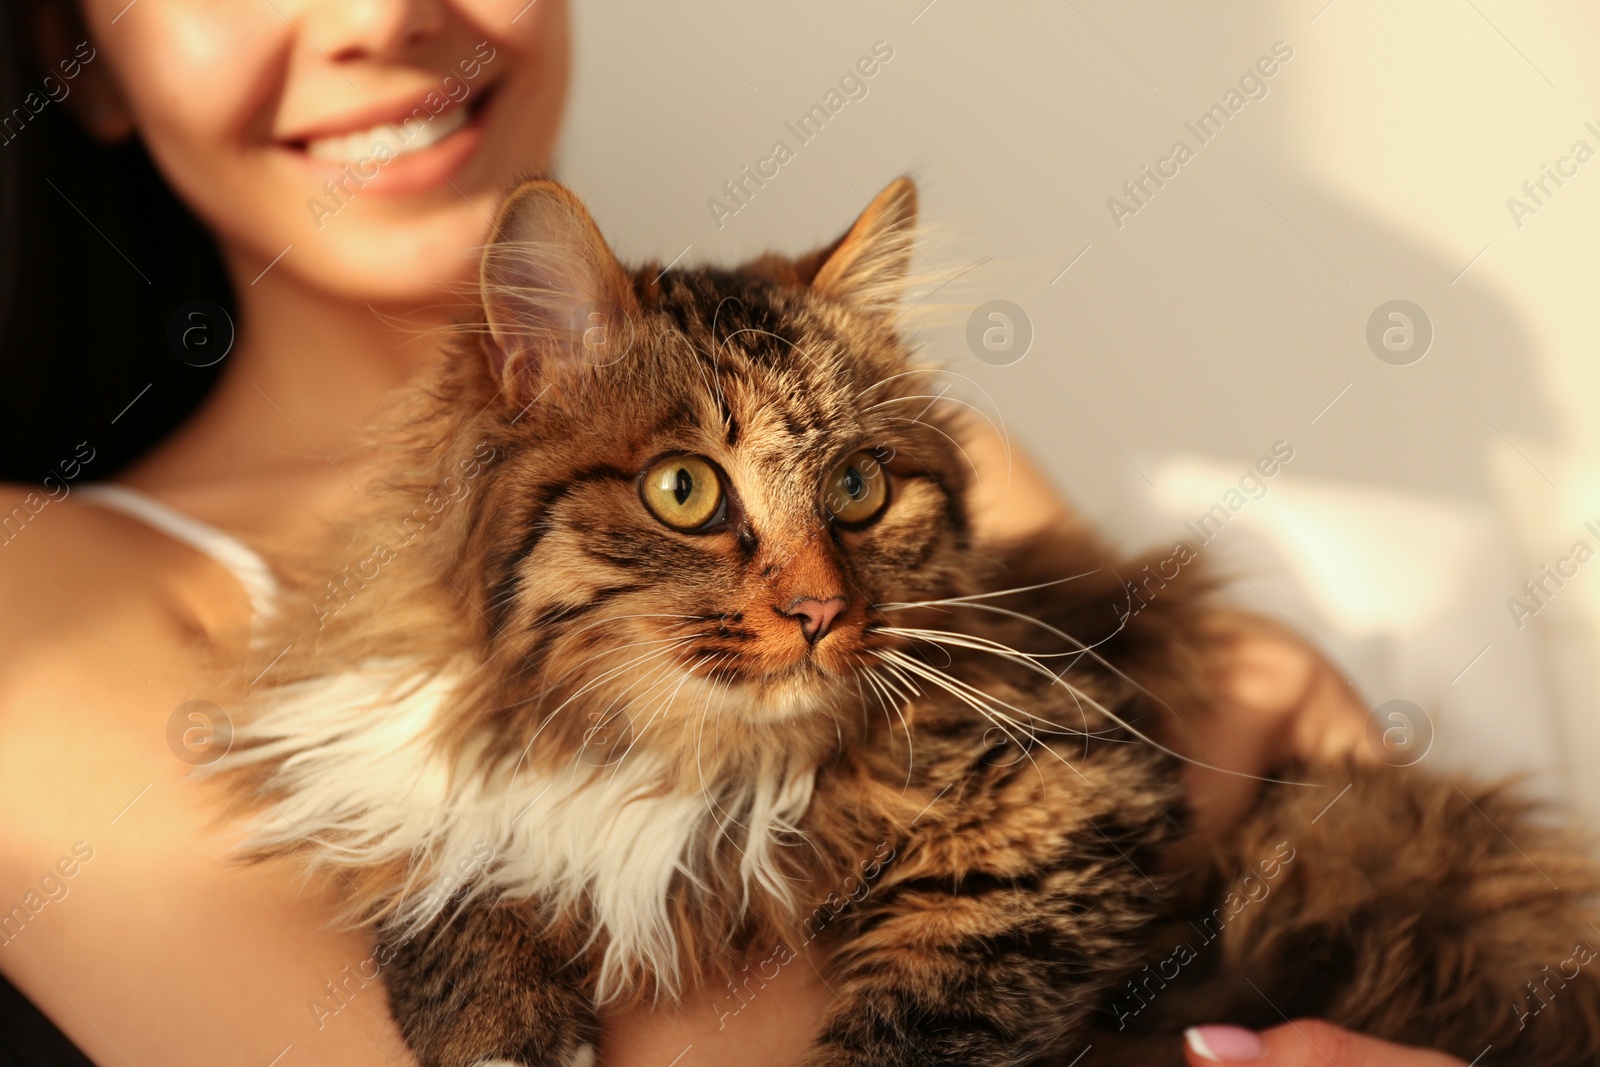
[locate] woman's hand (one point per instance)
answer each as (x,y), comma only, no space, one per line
(1303,1043)
(1280,699)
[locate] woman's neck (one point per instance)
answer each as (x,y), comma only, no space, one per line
(306,373)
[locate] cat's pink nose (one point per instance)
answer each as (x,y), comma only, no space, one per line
(816,616)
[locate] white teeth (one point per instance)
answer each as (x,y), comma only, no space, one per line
(399,139)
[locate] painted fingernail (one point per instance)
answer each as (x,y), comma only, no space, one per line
(1224,1044)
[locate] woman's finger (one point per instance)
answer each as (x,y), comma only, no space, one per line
(1279,700)
(1276,678)
(1010,498)
(1303,1043)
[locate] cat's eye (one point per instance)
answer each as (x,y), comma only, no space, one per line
(684,492)
(856,490)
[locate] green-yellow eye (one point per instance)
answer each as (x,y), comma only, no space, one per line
(682,491)
(856,490)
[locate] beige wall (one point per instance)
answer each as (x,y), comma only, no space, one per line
(1226,313)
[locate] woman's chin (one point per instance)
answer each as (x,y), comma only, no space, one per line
(368,259)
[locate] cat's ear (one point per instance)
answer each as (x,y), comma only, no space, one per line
(554,295)
(867,266)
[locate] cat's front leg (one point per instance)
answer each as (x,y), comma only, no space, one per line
(488,987)
(1002,920)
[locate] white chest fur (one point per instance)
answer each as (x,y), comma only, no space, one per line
(360,778)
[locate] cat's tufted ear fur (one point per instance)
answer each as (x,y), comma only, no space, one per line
(554,295)
(867,267)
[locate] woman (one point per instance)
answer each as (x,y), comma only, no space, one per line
(343,262)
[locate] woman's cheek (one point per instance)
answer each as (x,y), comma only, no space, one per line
(197,78)
(194,70)
(513,21)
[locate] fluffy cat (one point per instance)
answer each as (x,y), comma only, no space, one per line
(669,648)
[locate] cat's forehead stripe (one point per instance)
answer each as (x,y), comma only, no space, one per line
(734,316)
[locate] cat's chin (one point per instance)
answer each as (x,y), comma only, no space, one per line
(777,691)
(784,703)
(786,696)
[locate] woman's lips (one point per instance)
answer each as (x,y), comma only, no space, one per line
(403,139)
(401,158)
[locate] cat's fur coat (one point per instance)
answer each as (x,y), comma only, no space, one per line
(565,755)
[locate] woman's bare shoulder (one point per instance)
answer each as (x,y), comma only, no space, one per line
(105,622)
(99,640)
(121,912)
(68,567)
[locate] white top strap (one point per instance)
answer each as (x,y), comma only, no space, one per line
(243,561)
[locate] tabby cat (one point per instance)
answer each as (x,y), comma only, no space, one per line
(669,649)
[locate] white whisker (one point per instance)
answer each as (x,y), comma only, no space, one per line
(934,397)
(606,676)
(900,605)
(1031,663)
(974,698)
(959,447)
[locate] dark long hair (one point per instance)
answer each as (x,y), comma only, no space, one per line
(97,257)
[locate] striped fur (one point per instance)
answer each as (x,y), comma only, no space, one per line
(565,756)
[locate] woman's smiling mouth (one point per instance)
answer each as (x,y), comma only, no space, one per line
(399,140)
(398,150)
